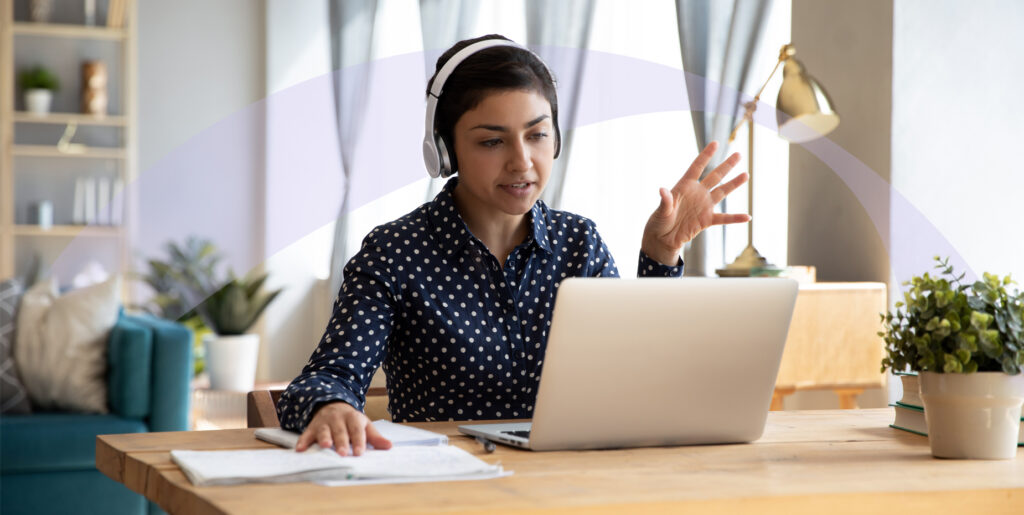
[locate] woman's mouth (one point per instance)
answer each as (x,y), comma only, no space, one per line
(518,189)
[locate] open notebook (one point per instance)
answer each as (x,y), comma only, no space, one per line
(417,455)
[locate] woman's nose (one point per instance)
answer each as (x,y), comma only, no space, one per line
(519,158)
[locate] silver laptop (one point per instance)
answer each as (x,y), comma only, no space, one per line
(656,362)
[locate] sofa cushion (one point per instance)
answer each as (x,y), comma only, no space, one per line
(130,358)
(44,442)
(82,492)
(61,349)
(13,396)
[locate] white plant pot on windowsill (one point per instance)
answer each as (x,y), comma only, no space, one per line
(37,101)
(973,416)
(231,361)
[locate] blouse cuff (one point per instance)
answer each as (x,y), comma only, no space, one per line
(648,267)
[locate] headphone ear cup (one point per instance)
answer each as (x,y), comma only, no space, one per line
(558,140)
(447,158)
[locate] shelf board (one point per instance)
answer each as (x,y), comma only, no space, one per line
(66,118)
(68,231)
(51,151)
(69,31)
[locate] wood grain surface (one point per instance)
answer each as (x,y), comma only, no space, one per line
(836,461)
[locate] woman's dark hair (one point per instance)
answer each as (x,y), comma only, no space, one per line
(484,72)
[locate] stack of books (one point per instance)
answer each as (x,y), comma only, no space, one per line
(910,408)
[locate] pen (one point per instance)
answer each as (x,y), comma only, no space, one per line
(488,445)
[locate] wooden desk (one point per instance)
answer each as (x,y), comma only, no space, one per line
(841,461)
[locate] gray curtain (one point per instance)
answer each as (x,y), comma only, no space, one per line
(558,31)
(717,39)
(443,23)
(351,25)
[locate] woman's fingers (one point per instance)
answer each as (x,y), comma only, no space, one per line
(340,434)
(305,439)
(712,179)
(729,218)
(665,207)
(720,192)
(699,164)
(356,426)
(374,438)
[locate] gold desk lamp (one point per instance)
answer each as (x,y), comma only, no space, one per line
(804,112)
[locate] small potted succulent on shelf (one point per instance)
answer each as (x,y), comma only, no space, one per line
(38,84)
(967,343)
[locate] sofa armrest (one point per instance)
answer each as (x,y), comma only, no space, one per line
(171,372)
(130,358)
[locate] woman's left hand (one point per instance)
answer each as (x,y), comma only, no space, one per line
(689,208)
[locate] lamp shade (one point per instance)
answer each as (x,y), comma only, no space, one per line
(804,109)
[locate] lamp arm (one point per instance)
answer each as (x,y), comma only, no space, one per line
(785,53)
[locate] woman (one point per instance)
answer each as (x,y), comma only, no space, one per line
(456,297)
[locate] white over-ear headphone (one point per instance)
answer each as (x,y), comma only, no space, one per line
(436,155)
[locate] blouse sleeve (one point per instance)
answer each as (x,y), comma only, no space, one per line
(353,345)
(648,267)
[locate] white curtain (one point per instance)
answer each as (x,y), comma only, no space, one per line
(443,23)
(352,26)
(718,40)
(558,31)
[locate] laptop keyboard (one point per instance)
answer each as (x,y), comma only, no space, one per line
(521,434)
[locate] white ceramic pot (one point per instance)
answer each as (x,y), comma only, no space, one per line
(973,416)
(231,361)
(38,101)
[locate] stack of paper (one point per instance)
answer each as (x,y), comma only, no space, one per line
(417,455)
(422,463)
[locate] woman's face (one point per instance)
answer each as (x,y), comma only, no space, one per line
(505,147)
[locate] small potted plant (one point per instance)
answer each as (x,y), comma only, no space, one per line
(38,84)
(231,354)
(191,266)
(967,343)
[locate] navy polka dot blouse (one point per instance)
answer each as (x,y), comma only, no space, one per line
(459,336)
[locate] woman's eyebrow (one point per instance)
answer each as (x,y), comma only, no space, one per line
(502,128)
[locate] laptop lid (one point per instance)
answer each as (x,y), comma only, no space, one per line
(649,361)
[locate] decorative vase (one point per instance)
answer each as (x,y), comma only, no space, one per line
(94,88)
(38,101)
(231,361)
(973,416)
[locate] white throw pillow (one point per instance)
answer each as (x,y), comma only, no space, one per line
(61,347)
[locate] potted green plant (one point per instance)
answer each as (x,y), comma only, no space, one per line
(190,267)
(38,84)
(967,344)
(231,354)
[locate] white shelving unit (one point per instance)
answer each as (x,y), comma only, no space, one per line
(32,168)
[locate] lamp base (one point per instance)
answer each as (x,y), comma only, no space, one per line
(741,266)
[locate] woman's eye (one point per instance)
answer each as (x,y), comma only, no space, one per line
(491,142)
(539,135)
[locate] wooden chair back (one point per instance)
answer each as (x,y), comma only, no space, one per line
(261,405)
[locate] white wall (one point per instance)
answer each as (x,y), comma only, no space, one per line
(923,161)
(201,69)
(956,131)
(298,248)
(847,47)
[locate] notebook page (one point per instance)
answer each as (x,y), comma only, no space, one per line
(416,461)
(263,465)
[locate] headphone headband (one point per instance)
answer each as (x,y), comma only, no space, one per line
(436,156)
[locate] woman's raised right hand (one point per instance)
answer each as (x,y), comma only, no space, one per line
(339,425)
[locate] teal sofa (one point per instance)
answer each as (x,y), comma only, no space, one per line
(48,460)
